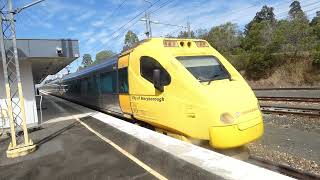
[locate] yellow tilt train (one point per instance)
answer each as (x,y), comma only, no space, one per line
(181,87)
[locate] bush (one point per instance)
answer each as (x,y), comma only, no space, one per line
(260,66)
(316,60)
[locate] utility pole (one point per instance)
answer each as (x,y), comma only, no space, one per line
(15,101)
(148,21)
(189,29)
(148,25)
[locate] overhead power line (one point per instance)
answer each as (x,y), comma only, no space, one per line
(117,8)
(286,12)
(163,5)
(127,23)
(305,11)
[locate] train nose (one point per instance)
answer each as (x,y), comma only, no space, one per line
(235,135)
(238,119)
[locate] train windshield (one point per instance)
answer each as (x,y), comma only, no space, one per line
(204,68)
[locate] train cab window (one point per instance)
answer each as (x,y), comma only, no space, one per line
(147,65)
(123,80)
(108,82)
(204,68)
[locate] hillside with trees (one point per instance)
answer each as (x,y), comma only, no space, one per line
(271,52)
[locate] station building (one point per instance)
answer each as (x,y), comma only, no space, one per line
(38,58)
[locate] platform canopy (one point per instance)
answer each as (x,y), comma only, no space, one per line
(47,56)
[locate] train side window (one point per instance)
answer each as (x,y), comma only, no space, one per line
(92,86)
(97,81)
(77,86)
(147,65)
(123,80)
(108,82)
(84,86)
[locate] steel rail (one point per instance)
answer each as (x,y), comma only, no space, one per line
(291,110)
(286,88)
(283,169)
(291,99)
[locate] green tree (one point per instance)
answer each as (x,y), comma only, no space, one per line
(294,36)
(130,39)
(259,66)
(258,43)
(315,24)
(259,37)
(266,14)
(201,33)
(315,20)
(86,60)
(184,34)
(296,12)
(103,55)
(225,38)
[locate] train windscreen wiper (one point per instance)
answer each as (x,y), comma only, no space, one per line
(202,80)
(213,78)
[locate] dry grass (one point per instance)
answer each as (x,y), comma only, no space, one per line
(291,74)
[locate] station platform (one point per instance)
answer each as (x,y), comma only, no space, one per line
(75,142)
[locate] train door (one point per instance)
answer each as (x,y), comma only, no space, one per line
(148,101)
(123,85)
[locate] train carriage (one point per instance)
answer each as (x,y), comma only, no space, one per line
(181,87)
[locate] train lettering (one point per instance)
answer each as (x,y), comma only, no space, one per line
(142,98)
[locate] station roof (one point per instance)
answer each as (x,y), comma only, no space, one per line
(47,56)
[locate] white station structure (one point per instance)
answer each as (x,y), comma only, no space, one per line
(38,58)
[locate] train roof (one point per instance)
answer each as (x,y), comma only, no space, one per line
(114,59)
(107,62)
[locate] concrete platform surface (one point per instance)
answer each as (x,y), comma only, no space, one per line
(80,143)
(67,150)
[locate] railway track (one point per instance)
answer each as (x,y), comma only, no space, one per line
(291,110)
(283,169)
(287,89)
(290,99)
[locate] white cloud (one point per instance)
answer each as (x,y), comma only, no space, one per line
(71,28)
(47,25)
(85,15)
(98,23)
(87,33)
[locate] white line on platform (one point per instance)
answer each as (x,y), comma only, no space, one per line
(114,145)
(124,152)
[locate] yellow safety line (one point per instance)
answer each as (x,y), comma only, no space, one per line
(124,152)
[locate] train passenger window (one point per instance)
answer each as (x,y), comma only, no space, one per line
(84,86)
(70,88)
(97,82)
(108,82)
(123,80)
(92,86)
(77,86)
(147,65)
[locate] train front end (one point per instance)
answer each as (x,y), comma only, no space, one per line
(237,119)
(225,110)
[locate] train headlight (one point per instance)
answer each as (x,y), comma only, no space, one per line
(226,118)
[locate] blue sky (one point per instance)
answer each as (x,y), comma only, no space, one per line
(95,22)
